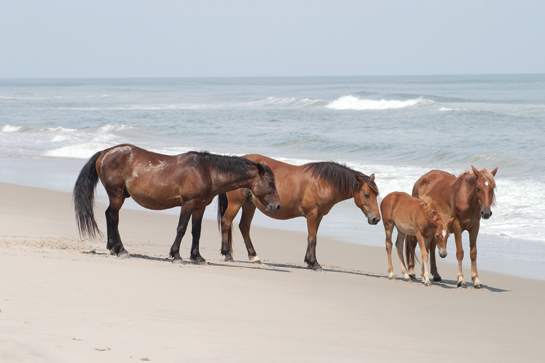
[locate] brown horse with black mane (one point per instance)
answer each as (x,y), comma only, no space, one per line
(309,191)
(466,198)
(157,181)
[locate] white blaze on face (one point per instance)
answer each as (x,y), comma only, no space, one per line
(444,233)
(486,183)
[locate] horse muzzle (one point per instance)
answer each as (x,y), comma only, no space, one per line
(273,208)
(442,253)
(486,215)
(372,219)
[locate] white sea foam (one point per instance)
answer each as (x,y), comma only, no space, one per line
(58,138)
(355,103)
(80,151)
(11,128)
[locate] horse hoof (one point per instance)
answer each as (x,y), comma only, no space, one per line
(124,254)
(478,286)
(426,283)
(407,278)
(316,268)
(461,284)
(199,261)
(177,261)
(391,276)
(412,276)
(229,259)
(255,259)
(437,278)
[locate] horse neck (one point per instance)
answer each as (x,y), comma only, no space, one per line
(469,196)
(223,183)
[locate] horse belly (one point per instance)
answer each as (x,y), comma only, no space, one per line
(406,227)
(151,194)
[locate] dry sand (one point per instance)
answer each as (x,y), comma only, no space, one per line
(66,300)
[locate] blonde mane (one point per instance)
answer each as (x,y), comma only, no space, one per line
(488,177)
(432,215)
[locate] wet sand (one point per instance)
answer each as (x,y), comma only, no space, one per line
(67,300)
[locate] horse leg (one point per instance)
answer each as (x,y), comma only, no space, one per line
(114,244)
(185,214)
(410,253)
(399,247)
(473,255)
(459,255)
(313,222)
(388,228)
(226,229)
(424,250)
(248,211)
(433,262)
(196,232)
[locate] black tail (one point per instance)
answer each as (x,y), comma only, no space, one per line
(84,199)
(223,203)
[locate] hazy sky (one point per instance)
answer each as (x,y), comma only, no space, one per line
(203,38)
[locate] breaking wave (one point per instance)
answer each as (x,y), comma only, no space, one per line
(355,103)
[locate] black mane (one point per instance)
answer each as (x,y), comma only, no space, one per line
(340,176)
(226,164)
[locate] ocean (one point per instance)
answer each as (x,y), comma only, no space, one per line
(396,127)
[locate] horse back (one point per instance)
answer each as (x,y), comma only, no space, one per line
(153,180)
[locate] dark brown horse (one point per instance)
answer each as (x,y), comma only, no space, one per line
(466,198)
(412,217)
(157,181)
(309,191)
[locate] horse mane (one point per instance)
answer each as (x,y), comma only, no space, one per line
(431,215)
(226,164)
(339,176)
(488,177)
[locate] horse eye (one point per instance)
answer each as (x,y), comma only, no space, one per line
(366,195)
(478,189)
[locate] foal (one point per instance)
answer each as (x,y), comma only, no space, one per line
(414,217)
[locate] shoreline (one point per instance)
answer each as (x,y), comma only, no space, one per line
(496,253)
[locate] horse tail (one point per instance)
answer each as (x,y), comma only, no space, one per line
(223,203)
(84,199)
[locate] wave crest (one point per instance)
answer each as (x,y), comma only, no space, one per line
(355,103)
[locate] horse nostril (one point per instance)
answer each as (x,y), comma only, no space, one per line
(278,208)
(375,220)
(482,213)
(490,213)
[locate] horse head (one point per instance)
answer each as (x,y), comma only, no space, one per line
(365,197)
(441,233)
(484,190)
(264,189)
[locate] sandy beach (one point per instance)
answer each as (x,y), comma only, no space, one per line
(67,300)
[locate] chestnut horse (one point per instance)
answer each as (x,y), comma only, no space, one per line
(412,217)
(157,181)
(466,198)
(309,191)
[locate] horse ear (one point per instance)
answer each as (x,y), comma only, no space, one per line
(475,171)
(260,169)
(372,176)
(360,181)
(494,171)
(449,222)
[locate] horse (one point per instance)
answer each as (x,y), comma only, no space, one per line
(158,182)
(414,217)
(309,191)
(466,198)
